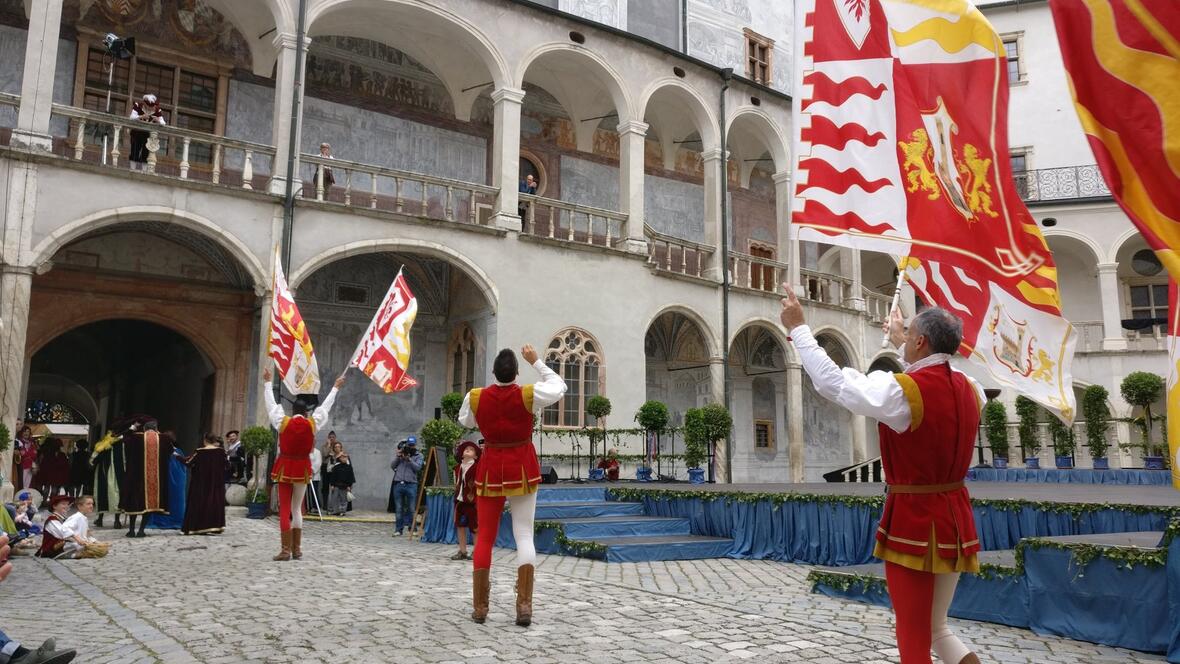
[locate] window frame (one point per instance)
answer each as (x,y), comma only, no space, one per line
(1016,38)
(462,343)
(560,357)
(756,44)
(1150,283)
(770,441)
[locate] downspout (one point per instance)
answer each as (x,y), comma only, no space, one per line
(292,140)
(726,74)
(684,26)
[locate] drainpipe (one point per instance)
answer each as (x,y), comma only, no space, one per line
(292,146)
(726,75)
(684,26)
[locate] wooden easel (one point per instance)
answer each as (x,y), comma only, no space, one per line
(434,473)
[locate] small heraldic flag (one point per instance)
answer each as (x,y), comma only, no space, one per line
(384,351)
(290,344)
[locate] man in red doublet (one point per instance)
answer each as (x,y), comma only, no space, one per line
(928,418)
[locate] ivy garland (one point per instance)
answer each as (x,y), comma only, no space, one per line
(994,572)
(844,582)
(625,494)
(579,548)
(1081,554)
(1171,532)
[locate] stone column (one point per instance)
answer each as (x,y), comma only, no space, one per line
(259,416)
(506,159)
(717,395)
(15,286)
(796,454)
(632,135)
(850,265)
(286,89)
(712,169)
(782,202)
(860,443)
(36,90)
(1112,327)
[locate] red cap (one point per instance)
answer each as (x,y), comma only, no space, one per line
(61,497)
(464,445)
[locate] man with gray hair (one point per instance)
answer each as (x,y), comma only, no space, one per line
(928,417)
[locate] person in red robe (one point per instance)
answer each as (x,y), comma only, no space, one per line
(53,468)
(147,454)
(928,417)
(507,471)
(610,465)
(466,517)
(292,470)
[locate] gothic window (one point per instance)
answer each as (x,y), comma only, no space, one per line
(576,356)
(47,412)
(461,360)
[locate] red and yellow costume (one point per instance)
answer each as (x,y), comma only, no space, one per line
(296,441)
(50,546)
(504,415)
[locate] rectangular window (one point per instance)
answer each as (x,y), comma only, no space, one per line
(759,54)
(763,434)
(1018,159)
(1149,301)
(1013,46)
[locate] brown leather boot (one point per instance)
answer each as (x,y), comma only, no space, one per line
(285,554)
(524,595)
(970,658)
(296,543)
(481,587)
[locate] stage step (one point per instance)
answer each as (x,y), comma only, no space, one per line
(666,547)
(575,494)
(623,526)
(586,509)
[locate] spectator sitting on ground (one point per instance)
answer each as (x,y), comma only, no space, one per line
(11,651)
(68,536)
(610,463)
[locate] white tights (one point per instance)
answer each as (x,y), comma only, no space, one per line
(946,645)
(524,509)
(297,491)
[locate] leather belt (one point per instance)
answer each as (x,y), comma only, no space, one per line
(925,488)
(504,446)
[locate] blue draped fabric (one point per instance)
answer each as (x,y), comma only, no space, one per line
(873,595)
(1111,605)
(1174,599)
(177,495)
(440,523)
(1002,600)
(1074,476)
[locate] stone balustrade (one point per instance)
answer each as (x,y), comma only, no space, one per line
(676,255)
(580,224)
(756,273)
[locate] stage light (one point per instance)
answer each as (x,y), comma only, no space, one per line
(120,48)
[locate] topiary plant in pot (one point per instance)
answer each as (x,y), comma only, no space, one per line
(1030,441)
(1064,442)
(597,407)
(995,425)
(1141,389)
(1096,410)
(653,418)
(451,403)
(703,427)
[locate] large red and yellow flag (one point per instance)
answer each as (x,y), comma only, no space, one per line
(384,350)
(1173,390)
(290,344)
(902,147)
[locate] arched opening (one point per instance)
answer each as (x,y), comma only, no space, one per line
(454,328)
(680,132)
(1143,294)
(677,364)
(758,379)
(756,154)
(827,427)
(129,366)
(1081,295)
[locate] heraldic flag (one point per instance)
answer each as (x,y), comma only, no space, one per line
(1123,60)
(290,344)
(384,351)
(902,147)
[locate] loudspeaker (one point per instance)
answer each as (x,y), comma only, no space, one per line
(548,475)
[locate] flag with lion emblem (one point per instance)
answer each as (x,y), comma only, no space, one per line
(902,146)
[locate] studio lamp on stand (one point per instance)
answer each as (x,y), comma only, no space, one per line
(118,48)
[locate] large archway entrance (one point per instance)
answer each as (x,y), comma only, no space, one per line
(127,366)
(758,376)
(450,338)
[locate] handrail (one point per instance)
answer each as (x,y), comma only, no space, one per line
(661,248)
(652,233)
(170,130)
(613,223)
(346,164)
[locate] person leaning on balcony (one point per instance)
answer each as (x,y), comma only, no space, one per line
(928,418)
(527,186)
(329,180)
(148,111)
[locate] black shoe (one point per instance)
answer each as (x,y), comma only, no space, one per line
(46,654)
(130,533)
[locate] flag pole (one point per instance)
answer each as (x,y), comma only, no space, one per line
(896,301)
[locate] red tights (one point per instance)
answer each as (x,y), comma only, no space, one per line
(290,505)
(912,594)
(488,511)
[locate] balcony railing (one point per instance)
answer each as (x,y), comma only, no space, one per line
(675,255)
(579,224)
(1060,184)
(877,305)
(1091,334)
(756,273)
(826,288)
(371,187)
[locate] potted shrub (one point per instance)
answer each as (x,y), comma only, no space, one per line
(653,418)
(1064,443)
(444,433)
(258,442)
(451,403)
(597,407)
(1141,389)
(995,425)
(703,427)
(1030,442)
(1097,414)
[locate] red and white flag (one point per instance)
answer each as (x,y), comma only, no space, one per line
(902,147)
(290,344)
(384,351)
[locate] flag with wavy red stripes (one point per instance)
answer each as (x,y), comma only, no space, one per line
(902,147)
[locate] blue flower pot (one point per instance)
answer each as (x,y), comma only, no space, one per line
(1153,463)
(1101,463)
(643,474)
(1063,462)
(256,510)
(1032,464)
(597,474)
(1000,463)
(696,475)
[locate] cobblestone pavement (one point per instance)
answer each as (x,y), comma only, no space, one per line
(361,596)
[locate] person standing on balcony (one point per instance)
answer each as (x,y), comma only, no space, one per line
(148,111)
(928,418)
(527,186)
(329,180)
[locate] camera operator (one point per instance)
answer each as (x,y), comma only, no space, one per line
(406,466)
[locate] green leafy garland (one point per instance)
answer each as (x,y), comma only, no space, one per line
(1081,554)
(626,494)
(579,548)
(845,582)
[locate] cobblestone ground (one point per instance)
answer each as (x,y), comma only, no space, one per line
(361,596)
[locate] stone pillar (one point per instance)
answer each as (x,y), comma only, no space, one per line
(1112,327)
(782,202)
(15,286)
(259,416)
(850,265)
(36,90)
(860,443)
(796,454)
(717,395)
(286,90)
(632,136)
(712,169)
(506,158)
